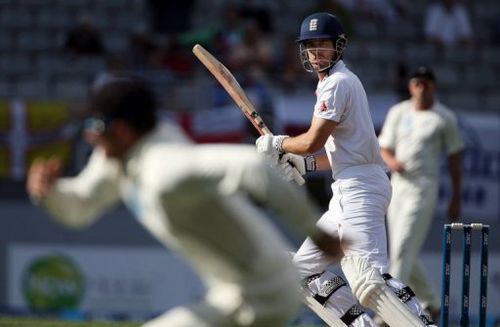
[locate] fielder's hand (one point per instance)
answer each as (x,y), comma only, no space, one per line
(270,145)
(41,177)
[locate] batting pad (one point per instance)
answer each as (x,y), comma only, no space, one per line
(369,287)
(326,315)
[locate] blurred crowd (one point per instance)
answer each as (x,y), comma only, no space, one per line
(256,41)
(245,37)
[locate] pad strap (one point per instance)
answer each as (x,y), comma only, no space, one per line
(427,320)
(354,312)
(327,289)
(404,294)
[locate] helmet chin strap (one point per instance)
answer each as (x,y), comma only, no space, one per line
(322,70)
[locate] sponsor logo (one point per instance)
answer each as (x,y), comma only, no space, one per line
(52,282)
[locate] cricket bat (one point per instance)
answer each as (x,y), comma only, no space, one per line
(234,89)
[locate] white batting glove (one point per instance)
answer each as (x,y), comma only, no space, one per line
(302,164)
(270,145)
(285,171)
(290,173)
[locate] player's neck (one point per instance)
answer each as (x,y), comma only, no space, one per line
(423,104)
(322,75)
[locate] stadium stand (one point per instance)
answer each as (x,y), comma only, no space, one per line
(33,33)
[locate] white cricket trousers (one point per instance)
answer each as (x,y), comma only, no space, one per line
(409,219)
(361,195)
(357,212)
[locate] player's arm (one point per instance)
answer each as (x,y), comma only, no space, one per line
(322,162)
(390,160)
(77,201)
(455,170)
(388,140)
(311,141)
(295,148)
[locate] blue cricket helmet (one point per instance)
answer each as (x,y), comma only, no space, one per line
(321,26)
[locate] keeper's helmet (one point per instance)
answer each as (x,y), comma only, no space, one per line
(321,26)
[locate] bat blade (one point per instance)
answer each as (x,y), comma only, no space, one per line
(232,87)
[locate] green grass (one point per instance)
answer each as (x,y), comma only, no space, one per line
(40,322)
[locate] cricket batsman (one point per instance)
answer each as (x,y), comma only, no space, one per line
(342,125)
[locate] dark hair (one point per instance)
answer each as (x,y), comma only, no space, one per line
(423,72)
(128,100)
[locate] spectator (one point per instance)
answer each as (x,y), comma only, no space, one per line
(447,24)
(84,39)
(254,52)
(170,16)
(221,36)
(141,48)
(341,10)
(495,30)
(115,69)
(373,9)
(414,135)
(174,56)
(292,75)
(401,81)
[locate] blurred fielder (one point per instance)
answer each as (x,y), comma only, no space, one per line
(415,134)
(361,189)
(197,199)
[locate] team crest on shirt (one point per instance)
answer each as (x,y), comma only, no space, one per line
(323,107)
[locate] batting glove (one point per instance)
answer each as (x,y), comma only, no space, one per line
(270,145)
(302,164)
(289,173)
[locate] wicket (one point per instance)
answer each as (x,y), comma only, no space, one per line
(466,262)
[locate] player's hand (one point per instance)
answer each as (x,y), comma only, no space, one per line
(296,161)
(288,172)
(396,166)
(302,164)
(270,144)
(285,170)
(41,177)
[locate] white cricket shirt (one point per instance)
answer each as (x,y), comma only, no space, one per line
(419,137)
(342,98)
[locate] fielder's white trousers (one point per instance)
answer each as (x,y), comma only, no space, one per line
(261,303)
(409,218)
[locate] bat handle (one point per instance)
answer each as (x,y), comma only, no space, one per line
(264,130)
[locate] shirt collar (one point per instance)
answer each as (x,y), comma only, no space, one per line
(338,66)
